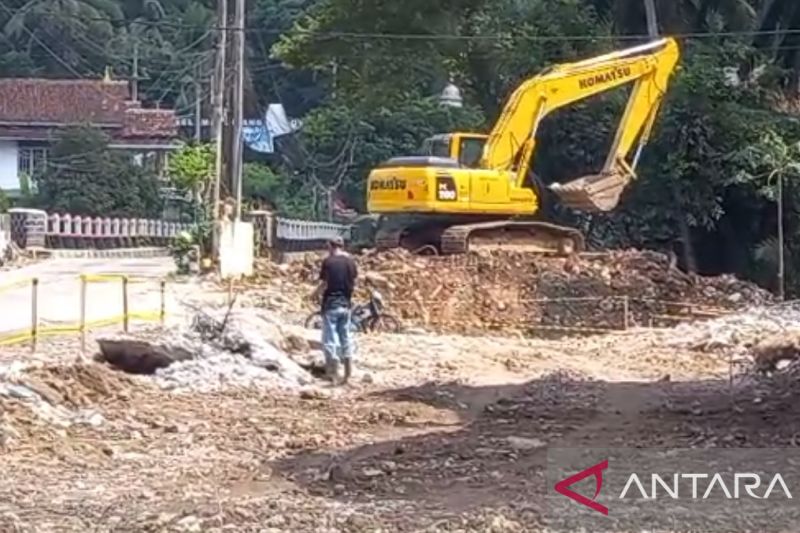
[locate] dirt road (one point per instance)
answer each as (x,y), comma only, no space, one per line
(437,433)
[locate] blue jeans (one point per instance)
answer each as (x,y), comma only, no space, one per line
(336,334)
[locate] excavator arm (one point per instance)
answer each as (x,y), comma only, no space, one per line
(512,141)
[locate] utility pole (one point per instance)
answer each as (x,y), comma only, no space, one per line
(218,113)
(781,264)
(135,84)
(237,148)
(198,105)
(652,20)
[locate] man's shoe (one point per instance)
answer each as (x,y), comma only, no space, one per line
(348,369)
(333,371)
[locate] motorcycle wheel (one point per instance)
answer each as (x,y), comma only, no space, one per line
(314,321)
(384,323)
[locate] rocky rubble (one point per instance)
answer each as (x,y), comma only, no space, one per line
(484,291)
(216,351)
(26,402)
(11,256)
(762,346)
(738,332)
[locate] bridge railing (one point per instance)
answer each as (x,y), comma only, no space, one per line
(278,234)
(31,228)
(37,229)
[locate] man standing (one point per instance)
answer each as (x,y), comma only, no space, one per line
(337,281)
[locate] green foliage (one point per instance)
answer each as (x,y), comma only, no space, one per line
(84,177)
(5,203)
(346,142)
(767,160)
(181,248)
(192,167)
(388,69)
(264,187)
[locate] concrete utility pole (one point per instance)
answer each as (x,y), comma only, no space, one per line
(198,105)
(237,146)
(135,84)
(652,20)
(781,264)
(218,99)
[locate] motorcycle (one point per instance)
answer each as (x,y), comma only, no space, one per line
(366,317)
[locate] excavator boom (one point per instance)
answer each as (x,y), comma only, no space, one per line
(469,189)
(512,141)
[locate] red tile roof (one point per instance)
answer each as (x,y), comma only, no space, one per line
(30,103)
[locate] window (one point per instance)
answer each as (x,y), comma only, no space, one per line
(437,147)
(32,160)
(471,151)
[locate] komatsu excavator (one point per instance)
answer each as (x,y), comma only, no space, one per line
(472,190)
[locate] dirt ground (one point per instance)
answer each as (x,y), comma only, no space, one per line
(435,433)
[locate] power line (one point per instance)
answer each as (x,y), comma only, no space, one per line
(443,36)
(536,38)
(39,41)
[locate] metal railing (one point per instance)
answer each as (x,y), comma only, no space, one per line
(303,230)
(38,329)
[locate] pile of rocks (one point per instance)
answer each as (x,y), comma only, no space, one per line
(482,291)
(763,343)
(738,332)
(216,351)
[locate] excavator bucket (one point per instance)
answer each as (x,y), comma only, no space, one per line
(600,192)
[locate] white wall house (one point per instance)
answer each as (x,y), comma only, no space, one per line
(33,110)
(19,159)
(9,166)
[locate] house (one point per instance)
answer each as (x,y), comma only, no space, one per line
(32,110)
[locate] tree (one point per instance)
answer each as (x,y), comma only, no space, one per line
(485,47)
(342,143)
(84,177)
(264,187)
(767,164)
(192,167)
(71,27)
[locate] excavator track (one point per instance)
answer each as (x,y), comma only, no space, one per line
(458,237)
(528,236)
(388,239)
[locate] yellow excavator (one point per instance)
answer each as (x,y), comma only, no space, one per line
(469,190)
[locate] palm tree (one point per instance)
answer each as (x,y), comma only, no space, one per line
(783,48)
(64,32)
(680,16)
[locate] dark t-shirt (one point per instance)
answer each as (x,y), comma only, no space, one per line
(339,273)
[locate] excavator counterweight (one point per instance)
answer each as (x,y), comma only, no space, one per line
(470,189)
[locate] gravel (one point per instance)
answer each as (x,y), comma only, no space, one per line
(220,372)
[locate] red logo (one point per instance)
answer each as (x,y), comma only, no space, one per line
(562,487)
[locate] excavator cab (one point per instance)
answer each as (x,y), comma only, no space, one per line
(466,148)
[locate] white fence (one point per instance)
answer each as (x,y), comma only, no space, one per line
(35,228)
(5,233)
(67,226)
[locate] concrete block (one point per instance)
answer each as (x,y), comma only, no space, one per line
(235,248)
